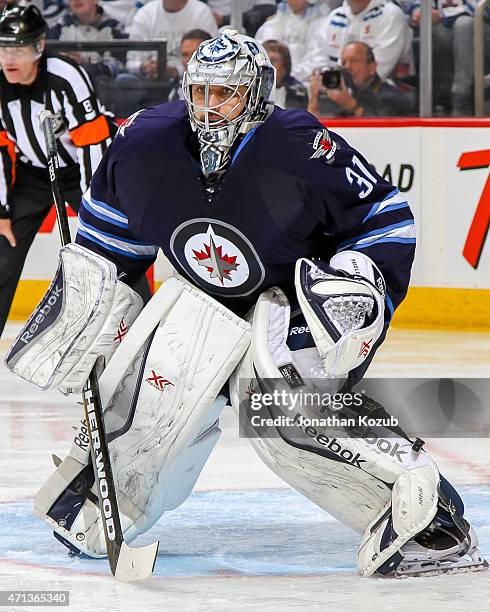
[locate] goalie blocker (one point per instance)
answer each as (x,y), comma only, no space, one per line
(84,314)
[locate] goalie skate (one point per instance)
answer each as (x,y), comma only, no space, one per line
(420,560)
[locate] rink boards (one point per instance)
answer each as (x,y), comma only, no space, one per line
(442,166)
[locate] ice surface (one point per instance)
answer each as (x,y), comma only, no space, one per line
(243,540)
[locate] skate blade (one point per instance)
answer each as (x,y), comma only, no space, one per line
(438,569)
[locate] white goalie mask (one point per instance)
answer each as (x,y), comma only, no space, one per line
(240,66)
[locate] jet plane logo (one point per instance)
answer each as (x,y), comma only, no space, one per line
(218,50)
(218,264)
(324,146)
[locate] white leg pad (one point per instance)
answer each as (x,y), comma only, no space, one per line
(380,487)
(161,418)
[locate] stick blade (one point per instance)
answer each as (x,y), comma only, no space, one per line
(135,563)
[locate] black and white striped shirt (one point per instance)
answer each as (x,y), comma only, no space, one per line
(63,87)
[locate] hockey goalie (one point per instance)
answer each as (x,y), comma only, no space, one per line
(269,221)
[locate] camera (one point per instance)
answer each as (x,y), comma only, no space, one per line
(331,78)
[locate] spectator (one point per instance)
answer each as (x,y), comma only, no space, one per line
(86,20)
(381,25)
(254,12)
(167,19)
(326,6)
(290,93)
(294,24)
(53,11)
(453,53)
(361,93)
(188,45)
(122,10)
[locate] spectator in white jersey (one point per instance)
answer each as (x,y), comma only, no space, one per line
(453,51)
(168,19)
(254,12)
(86,20)
(188,45)
(381,25)
(290,93)
(294,24)
(355,89)
(122,10)
(31,81)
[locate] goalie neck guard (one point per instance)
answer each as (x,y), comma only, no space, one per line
(237,63)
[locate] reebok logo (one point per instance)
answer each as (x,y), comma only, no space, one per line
(299,329)
(82,439)
(392,449)
(41,314)
(333,444)
(157,381)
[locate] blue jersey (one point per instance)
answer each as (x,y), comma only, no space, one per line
(292,190)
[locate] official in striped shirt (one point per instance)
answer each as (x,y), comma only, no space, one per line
(31,81)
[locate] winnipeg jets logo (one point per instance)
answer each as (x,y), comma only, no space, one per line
(216,259)
(121,130)
(218,264)
(218,50)
(217,256)
(324,146)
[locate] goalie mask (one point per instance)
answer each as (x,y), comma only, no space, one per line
(229,86)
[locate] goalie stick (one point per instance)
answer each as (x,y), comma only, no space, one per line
(126,563)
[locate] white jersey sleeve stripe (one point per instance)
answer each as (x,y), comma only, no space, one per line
(405,232)
(405,229)
(392,201)
(130,248)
